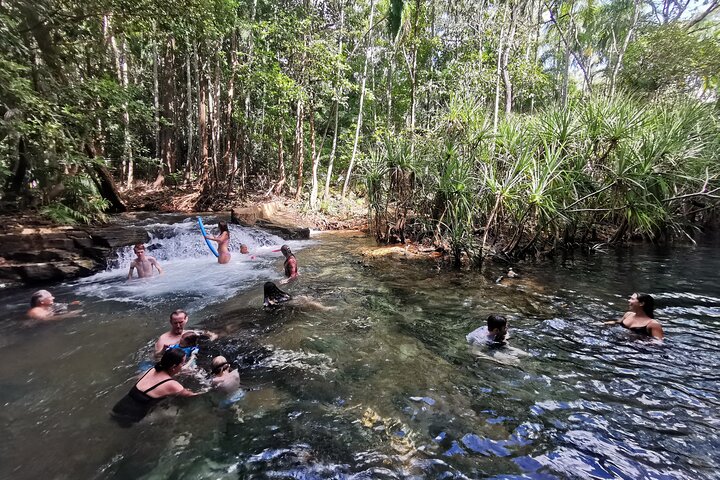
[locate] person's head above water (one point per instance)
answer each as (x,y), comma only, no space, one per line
(273,295)
(497,324)
(222,226)
(243,248)
(286,250)
(644,302)
(219,365)
(171,361)
(189,339)
(139,249)
(41,298)
(178,320)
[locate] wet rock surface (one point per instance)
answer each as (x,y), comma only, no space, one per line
(42,254)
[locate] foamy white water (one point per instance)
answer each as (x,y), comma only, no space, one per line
(190,270)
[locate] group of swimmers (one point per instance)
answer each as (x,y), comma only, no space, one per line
(639,319)
(177,348)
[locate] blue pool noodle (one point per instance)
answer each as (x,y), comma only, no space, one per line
(210,245)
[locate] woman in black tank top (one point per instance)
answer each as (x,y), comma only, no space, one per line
(640,317)
(155,385)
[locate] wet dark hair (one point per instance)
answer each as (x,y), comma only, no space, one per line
(171,357)
(189,339)
(273,294)
(222,226)
(496,321)
(286,251)
(648,303)
(179,311)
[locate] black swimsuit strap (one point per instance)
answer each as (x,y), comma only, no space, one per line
(157,385)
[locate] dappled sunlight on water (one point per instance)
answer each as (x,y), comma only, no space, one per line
(383,385)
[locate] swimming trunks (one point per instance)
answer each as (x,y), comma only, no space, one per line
(136,404)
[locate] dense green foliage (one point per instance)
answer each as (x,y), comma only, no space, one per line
(505,127)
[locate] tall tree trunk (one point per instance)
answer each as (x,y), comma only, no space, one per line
(104,182)
(506,61)
(338,86)
(299,152)
(281,163)
(228,159)
(362,99)
(215,114)
(626,42)
(328,177)
(498,71)
(315,160)
(156,97)
(203,133)
(167,98)
(190,110)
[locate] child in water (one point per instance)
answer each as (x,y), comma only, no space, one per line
(224,378)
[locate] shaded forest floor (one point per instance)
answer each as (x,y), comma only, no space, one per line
(333,215)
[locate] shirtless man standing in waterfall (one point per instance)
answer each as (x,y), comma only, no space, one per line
(143,264)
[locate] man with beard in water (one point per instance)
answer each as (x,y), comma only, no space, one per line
(178,320)
(143,263)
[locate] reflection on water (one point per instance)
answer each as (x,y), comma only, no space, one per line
(384,385)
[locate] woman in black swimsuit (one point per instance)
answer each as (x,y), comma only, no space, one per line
(155,385)
(640,319)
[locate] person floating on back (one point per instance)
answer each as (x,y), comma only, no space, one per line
(154,385)
(143,263)
(640,318)
(223,242)
(291,270)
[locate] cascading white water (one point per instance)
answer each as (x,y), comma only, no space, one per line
(191,273)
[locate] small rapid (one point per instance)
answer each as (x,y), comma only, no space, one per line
(190,271)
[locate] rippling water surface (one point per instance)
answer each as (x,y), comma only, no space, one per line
(383,385)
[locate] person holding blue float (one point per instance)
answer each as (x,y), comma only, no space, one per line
(223,251)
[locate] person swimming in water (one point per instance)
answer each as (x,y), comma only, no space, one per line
(290,265)
(495,333)
(43,307)
(224,378)
(223,242)
(144,264)
(153,386)
(640,318)
(178,320)
(273,297)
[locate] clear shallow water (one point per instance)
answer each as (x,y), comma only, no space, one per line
(384,385)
